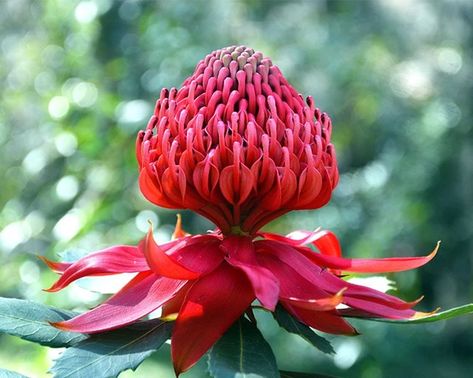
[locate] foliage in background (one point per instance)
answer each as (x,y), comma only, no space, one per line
(79,78)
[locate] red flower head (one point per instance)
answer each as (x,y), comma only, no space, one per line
(238,145)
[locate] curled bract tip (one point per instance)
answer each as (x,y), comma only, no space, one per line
(422,315)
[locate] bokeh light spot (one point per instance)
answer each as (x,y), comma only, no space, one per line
(58,107)
(65,143)
(67,188)
(84,94)
(347,354)
(86,11)
(68,226)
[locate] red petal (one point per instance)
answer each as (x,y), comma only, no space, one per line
(325,241)
(211,306)
(291,283)
(152,190)
(56,267)
(187,259)
(200,253)
(325,321)
(171,308)
(241,254)
(118,259)
(161,263)
(324,280)
(391,264)
(236,192)
(324,304)
(310,184)
(142,295)
(379,309)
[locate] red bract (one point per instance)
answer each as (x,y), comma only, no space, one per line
(206,282)
(237,144)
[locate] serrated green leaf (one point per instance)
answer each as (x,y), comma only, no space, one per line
(442,315)
(242,352)
(108,354)
(286,321)
(10,374)
(29,320)
(296,374)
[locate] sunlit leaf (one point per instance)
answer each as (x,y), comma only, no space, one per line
(242,352)
(10,374)
(30,321)
(435,317)
(286,321)
(108,354)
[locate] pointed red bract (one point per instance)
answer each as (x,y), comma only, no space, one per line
(178,231)
(56,267)
(241,254)
(142,295)
(199,253)
(211,306)
(382,265)
(113,260)
(325,241)
(314,281)
(324,304)
(161,263)
(325,321)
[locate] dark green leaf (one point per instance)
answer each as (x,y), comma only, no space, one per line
(242,352)
(296,374)
(29,321)
(286,321)
(10,374)
(443,315)
(108,354)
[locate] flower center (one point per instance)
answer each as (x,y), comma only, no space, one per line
(236,230)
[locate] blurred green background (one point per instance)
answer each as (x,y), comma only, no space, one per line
(79,79)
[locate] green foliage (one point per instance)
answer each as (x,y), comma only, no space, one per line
(434,317)
(242,352)
(286,321)
(108,354)
(30,321)
(10,374)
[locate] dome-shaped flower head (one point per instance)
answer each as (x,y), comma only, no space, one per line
(237,144)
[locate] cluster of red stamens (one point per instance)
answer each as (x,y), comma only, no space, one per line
(237,144)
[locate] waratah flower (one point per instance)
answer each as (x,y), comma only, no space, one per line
(238,145)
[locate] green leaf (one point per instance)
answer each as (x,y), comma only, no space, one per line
(443,315)
(296,374)
(10,374)
(242,352)
(108,354)
(29,321)
(286,321)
